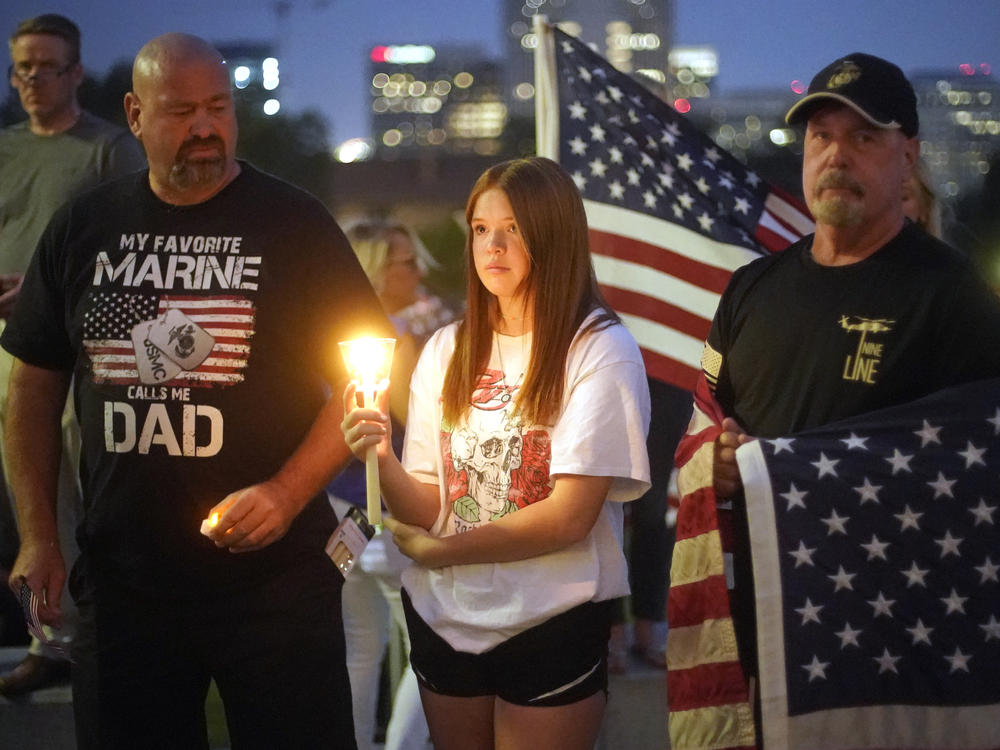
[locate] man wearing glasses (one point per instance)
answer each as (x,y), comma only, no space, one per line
(57,153)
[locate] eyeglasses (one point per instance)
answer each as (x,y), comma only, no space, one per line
(41,73)
(410,262)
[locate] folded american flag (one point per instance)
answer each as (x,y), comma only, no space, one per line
(29,607)
(707,691)
(876,549)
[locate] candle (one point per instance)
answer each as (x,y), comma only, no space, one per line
(369,361)
(209,523)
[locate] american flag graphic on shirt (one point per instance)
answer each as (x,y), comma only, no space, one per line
(229,319)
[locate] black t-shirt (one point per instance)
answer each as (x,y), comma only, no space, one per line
(798,345)
(202,340)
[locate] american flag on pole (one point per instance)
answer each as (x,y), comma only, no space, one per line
(229,319)
(671,214)
(876,552)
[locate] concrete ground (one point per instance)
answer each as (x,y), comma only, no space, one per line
(635,717)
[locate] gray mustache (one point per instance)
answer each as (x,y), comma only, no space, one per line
(836,178)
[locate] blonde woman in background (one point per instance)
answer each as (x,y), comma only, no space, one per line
(396,261)
(920,202)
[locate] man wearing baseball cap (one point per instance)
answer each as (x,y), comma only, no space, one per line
(867,312)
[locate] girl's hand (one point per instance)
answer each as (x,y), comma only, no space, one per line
(364,427)
(415,542)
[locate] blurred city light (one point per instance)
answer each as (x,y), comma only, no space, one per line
(269,74)
(798,87)
(682,105)
(354,149)
(271,107)
(524,90)
(241,76)
(403,54)
(702,61)
(782,136)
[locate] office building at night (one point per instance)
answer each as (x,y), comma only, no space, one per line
(443,100)
(959,126)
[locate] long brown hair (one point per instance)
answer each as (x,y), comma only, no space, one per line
(561,282)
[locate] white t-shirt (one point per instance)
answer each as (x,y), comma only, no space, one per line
(489,465)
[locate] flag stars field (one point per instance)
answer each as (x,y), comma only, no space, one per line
(816,669)
(991,629)
(973,456)
(928,434)
(842,579)
(921,633)
(795,497)
(868,492)
(988,572)
(826,466)
(803,555)
(876,549)
(959,661)
(782,444)
(899,461)
(909,519)
(949,544)
(848,636)
(995,421)
(886,662)
(809,611)
(983,513)
(854,442)
(942,486)
(881,606)
(915,575)
(954,603)
(835,524)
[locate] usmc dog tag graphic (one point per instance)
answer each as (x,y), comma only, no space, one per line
(153,365)
(181,339)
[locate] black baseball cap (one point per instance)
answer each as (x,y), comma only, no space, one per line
(874,88)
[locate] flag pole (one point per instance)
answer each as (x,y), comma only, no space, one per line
(546,90)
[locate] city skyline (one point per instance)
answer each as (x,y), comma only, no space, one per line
(757,47)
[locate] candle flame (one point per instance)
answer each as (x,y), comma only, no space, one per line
(368,362)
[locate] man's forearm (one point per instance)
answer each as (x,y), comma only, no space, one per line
(33,447)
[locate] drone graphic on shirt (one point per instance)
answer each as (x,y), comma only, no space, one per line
(863,365)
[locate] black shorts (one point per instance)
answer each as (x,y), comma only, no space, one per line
(561,661)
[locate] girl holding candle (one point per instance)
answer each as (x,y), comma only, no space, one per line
(394,259)
(526,432)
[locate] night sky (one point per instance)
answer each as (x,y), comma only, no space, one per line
(323,44)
